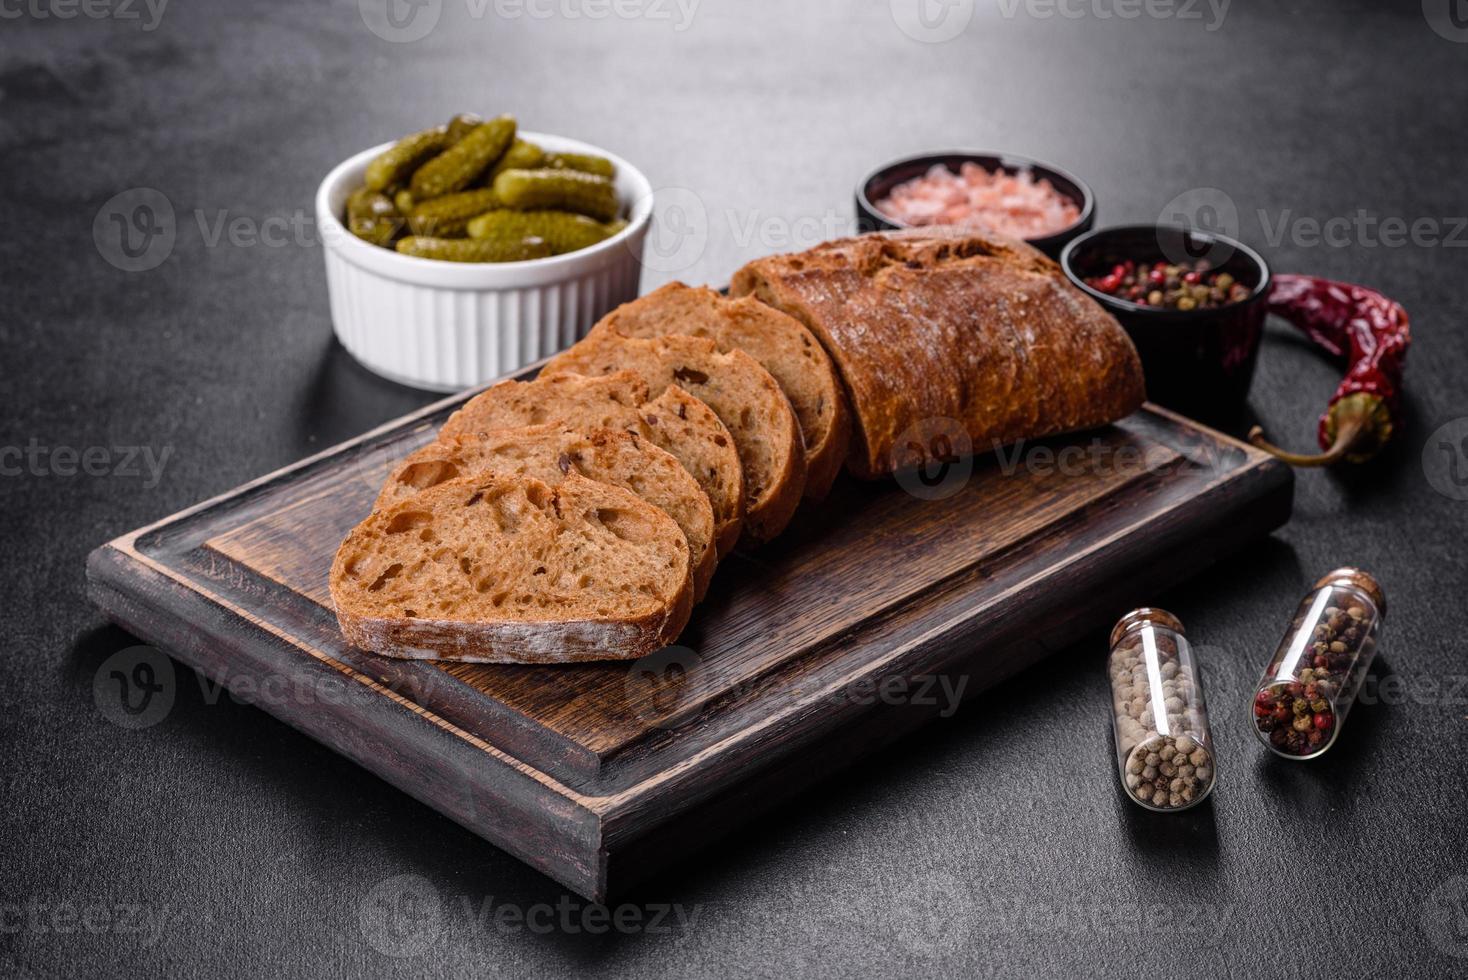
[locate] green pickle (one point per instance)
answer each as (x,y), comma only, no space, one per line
(448,216)
(520,156)
(559,190)
(584,162)
(397,163)
(372,216)
(563,231)
(475,249)
(462,125)
(454,168)
(404,200)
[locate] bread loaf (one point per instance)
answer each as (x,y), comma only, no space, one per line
(742,394)
(505,569)
(550,453)
(674,421)
(781,344)
(937,324)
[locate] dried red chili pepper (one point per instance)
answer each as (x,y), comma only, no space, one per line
(1372,333)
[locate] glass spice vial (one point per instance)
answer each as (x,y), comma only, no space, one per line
(1164,748)
(1311,681)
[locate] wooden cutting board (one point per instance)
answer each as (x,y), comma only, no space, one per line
(833,640)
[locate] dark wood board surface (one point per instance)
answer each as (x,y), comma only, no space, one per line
(601,774)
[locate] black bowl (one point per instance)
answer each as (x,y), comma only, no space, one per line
(1197,361)
(879,183)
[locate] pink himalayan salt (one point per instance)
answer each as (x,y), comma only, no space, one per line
(1017,205)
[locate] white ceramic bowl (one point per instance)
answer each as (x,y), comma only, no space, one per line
(446,326)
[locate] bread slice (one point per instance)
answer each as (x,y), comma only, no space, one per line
(946,323)
(505,569)
(783,346)
(674,421)
(743,395)
(552,451)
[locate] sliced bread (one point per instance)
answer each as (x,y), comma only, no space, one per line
(781,343)
(505,569)
(552,451)
(741,392)
(674,421)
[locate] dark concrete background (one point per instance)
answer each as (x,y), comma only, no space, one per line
(219,842)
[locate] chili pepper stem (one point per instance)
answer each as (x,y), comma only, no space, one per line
(1349,429)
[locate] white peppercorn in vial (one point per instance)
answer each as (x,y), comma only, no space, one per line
(1312,680)
(1164,748)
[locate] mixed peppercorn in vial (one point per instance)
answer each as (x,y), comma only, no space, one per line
(1312,679)
(1164,748)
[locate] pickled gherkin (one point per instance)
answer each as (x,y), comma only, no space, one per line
(520,156)
(462,125)
(584,162)
(454,168)
(396,164)
(404,200)
(448,216)
(563,231)
(559,190)
(475,249)
(372,217)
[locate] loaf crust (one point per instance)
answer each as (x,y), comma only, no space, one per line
(934,324)
(604,574)
(741,393)
(782,345)
(550,453)
(674,421)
